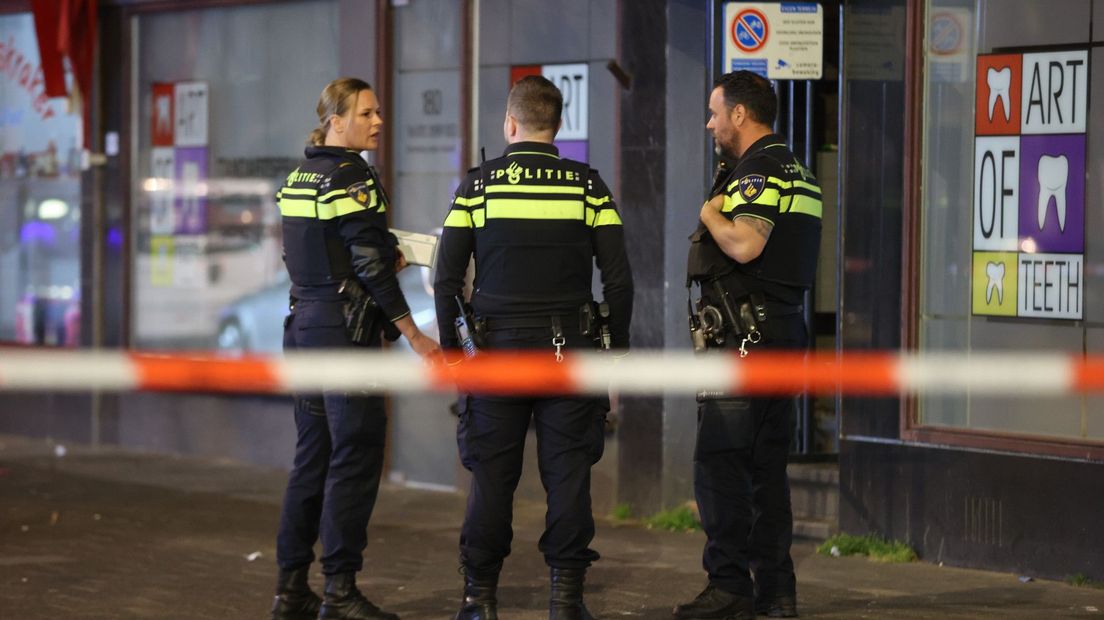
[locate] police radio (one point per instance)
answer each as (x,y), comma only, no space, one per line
(465,332)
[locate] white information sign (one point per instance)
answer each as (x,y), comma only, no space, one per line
(778,40)
(190,110)
(160,191)
(996,193)
(572,80)
(429,128)
(1055,92)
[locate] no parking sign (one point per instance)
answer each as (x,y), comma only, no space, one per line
(778,40)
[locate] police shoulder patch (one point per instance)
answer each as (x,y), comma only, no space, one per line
(360,192)
(751,186)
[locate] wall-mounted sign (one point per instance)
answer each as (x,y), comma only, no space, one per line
(949,44)
(190,114)
(1029,184)
(573,80)
(778,40)
(177,184)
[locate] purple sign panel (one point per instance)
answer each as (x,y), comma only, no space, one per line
(190,190)
(1052,193)
(573,149)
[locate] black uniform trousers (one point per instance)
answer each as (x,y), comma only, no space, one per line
(491,438)
(742,488)
(338,456)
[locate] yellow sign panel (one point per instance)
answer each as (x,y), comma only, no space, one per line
(995,283)
(161,260)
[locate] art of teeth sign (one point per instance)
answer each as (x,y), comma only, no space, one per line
(1029,184)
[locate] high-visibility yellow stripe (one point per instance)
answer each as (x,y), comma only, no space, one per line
(479,217)
(296,207)
(535,189)
(458,218)
(468,202)
(298,191)
(806,186)
(534,152)
(607,217)
(597,201)
(339,207)
(766,197)
(535,209)
(806,205)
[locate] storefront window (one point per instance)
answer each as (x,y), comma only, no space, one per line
(1012,153)
(39,198)
(224,101)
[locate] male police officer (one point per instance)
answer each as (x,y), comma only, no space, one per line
(753,257)
(535,223)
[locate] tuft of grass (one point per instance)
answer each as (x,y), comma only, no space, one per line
(678,519)
(622,512)
(1081,580)
(874,547)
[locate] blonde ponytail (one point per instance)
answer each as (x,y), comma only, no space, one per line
(335,100)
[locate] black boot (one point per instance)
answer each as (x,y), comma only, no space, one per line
(714,602)
(777,607)
(294,598)
(566,602)
(479,596)
(341,599)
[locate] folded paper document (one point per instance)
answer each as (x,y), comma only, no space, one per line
(418,248)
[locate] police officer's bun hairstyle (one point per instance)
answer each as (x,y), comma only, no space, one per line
(753,91)
(536,103)
(336,98)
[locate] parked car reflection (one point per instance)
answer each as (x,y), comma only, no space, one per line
(254,323)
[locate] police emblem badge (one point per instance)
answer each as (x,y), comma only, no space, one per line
(359,192)
(752,185)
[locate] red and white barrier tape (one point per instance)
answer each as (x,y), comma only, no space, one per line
(642,372)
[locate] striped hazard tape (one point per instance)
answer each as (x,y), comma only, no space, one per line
(642,372)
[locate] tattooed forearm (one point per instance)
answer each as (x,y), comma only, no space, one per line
(760,226)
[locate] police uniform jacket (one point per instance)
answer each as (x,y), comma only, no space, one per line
(335,228)
(769,183)
(536,224)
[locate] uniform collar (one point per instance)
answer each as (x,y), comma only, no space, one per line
(336,151)
(531,148)
(762,143)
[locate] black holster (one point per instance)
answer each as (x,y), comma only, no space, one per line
(364,319)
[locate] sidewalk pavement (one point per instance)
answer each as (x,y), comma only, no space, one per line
(116,534)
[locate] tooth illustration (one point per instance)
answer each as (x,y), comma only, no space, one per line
(1053,176)
(999,81)
(995,271)
(164,123)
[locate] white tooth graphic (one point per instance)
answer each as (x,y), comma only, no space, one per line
(1053,176)
(995,271)
(164,123)
(999,81)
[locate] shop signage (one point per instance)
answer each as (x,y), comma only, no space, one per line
(573,80)
(778,40)
(1029,184)
(177,183)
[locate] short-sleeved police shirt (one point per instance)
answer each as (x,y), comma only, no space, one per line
(770,184)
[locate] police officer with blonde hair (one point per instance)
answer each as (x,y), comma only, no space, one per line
(344,293)
(536,224)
